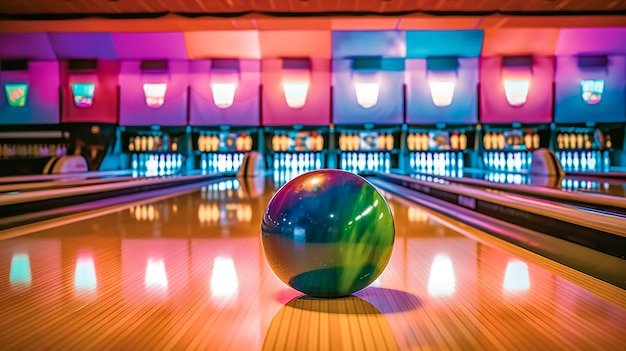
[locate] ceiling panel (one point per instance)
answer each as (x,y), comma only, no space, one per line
(429,23)
(540,41)
(278,44)
(243,44)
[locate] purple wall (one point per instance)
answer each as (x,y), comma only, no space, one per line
(33,46)
(346,109)
(245,108)
(146,46)
(133,108)
(105,101)
(83,45)
(42,102)
(570,106)
(493,104)
(316,110)
(420,107)
(600,41)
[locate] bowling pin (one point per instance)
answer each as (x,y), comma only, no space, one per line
(454,141)
(462,141)
(487,141)
(536,141)
(150,143)
(320,142)
(390,141)
(239,142)
(424,139)
(381,141)
(201,143)
(409,142)
(528,141)
(310,143)
(572,140)
(356,142)
(501,141)
(276,143)
(248,143)
(134,162)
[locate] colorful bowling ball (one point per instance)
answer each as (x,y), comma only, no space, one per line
(327,233)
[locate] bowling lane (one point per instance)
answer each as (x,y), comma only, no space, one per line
(188,272)
(606,186)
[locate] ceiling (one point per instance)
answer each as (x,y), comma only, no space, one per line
(189,15)
(293,7)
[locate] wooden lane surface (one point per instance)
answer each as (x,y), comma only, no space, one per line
(188,273)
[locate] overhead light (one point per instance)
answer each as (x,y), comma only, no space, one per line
(442,92)
(155,77)
(155,94)
(516,91)
(591,90)
(83,94)
(367,94)
(16,94)
(366,77)
(223,94)
(516,76)
(442,78)
(296,79)
(224,81)
(295,93)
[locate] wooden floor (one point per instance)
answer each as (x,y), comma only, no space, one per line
(188,272)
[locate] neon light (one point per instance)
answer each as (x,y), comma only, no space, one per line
(367,94)
(441,280)
(516,276)
(155,94)
(16,94)
(83,94)
(223,94)
(591,90)
(516,91)
(224,281)
(85,274)
(20,275)
(442,92)
(295,93)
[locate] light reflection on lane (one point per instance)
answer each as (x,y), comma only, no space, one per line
(198,263)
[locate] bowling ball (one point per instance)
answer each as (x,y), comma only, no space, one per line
(327,233)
